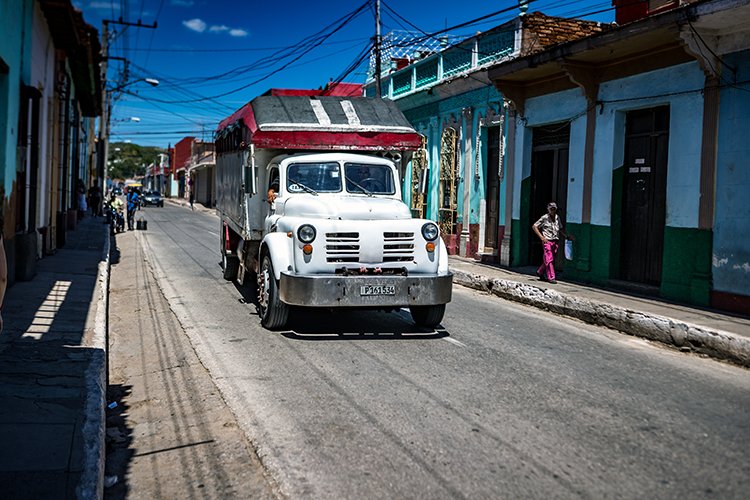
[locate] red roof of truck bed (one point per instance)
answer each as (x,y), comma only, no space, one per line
(324,122)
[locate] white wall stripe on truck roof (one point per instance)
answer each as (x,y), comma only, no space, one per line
(320,113)
(350,112)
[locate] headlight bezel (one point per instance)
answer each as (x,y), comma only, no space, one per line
(304,239)
(430,226)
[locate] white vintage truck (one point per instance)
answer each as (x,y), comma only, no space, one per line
(309,196)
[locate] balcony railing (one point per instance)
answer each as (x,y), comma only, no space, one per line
(465,57)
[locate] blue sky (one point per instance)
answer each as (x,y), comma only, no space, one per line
(199,39)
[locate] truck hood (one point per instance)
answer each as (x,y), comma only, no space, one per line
(346,208)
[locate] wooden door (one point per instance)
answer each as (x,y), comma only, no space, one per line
(492,193)
(644,195)
(549,180)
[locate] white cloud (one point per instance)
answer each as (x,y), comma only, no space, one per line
(183,3)
(104,5)
(195,24)
(199,25)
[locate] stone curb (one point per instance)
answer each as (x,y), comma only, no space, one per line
(91,484)
(686,336)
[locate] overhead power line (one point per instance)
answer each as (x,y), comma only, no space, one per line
(246,49)
(304,52)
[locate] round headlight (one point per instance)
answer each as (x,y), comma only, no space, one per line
(306,233)
(430,231)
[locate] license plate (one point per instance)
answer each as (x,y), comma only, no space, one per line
(377,290)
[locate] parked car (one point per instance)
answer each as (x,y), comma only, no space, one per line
(152,198)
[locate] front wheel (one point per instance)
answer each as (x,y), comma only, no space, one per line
(427,316)
(273,313)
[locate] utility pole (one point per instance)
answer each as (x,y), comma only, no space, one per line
(378,43)
(103,144)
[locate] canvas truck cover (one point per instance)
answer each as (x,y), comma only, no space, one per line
(324,123)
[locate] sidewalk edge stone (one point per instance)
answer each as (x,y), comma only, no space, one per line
(715,343)
(91,485)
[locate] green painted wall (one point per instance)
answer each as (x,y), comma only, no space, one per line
(686,271)
(515,243)
(521,229)
(591,253)
(618,178)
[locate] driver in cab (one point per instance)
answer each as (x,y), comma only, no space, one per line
(361,174)
(273,188)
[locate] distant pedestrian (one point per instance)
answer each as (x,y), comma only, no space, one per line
(191,193)
(95,199)
(133,205)
(81,198)
(549,228)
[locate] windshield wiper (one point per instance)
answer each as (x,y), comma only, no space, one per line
(367,192)
(304,188)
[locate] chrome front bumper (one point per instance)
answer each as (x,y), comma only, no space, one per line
(345,291)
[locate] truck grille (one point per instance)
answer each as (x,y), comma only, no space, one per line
(398,247)
(342,247)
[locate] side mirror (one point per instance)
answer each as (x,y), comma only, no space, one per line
(247,179)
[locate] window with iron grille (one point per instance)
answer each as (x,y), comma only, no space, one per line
(495,46)
(427,72)
(456,60)
(402,82)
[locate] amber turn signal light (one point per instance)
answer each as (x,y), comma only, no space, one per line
(307,249)
(430,247)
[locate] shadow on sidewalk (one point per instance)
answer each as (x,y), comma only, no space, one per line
(119,442)
(114,251)
(43,366)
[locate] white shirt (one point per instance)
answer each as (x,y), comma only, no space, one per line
(550,229)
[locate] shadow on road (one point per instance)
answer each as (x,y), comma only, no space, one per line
(249,292)
(322,324)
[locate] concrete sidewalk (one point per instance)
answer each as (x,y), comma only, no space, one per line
(705,331)
(53,372)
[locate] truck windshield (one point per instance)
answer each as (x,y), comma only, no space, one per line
(369,179)
(319,177)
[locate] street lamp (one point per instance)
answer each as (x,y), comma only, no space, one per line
(130,119)
(151,81)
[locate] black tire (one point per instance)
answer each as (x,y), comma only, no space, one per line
(273,313)
(231,265)
(427,316)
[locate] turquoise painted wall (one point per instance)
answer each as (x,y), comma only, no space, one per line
(427,113)
(731,244)
(15,51)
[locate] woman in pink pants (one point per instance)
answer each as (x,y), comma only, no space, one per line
(549,229)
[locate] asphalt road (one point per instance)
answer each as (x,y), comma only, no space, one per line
(504,402)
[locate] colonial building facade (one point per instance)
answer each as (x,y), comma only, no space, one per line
(50,94)
(639,134)
(459,179)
